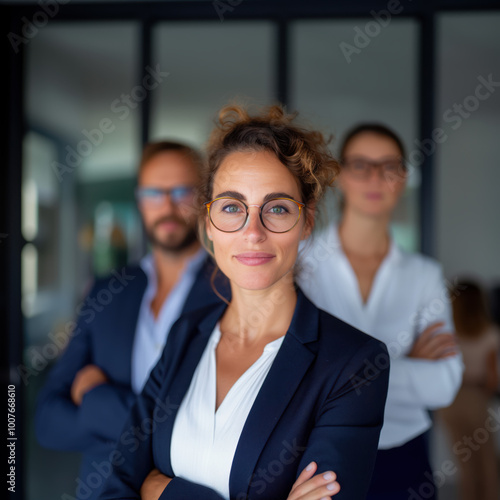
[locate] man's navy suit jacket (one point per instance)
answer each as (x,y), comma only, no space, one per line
(323,400)
(103,336)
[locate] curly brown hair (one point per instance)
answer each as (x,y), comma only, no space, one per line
(303,151)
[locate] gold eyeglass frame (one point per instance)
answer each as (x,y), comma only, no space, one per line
(298,203)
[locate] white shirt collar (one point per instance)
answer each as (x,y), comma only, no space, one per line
(331,235)
(194,264)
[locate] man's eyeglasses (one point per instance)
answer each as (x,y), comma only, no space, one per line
(361,168)
(278,215)
(157,196)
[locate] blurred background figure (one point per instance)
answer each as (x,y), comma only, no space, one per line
(357,272)
(479,340)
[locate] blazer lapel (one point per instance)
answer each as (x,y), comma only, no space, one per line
(124,323)
(290,365)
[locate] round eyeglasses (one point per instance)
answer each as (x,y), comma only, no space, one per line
(278,215)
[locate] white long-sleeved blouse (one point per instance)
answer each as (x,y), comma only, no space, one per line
(408,294)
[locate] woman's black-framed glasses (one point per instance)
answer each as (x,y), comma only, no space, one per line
(156,196)
(278,215)
(361,167)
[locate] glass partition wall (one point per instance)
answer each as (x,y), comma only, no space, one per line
(209,64)
(467,161)
(78,214)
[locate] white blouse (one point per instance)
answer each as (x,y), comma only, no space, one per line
(204,440)
(408,294)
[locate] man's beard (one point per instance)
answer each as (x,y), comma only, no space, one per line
(175,245)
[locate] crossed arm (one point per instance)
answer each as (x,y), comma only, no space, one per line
(342,443)
(79,407)
(307,487)
(431,373)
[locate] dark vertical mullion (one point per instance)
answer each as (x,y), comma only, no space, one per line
(146,57)
(11,241)
(282,63)
(145,61)
(426,101)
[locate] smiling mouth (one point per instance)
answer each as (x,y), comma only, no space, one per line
(254,258)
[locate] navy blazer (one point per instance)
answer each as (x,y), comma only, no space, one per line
(318,402)
(104,336)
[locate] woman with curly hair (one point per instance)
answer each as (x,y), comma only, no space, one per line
(256,399)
